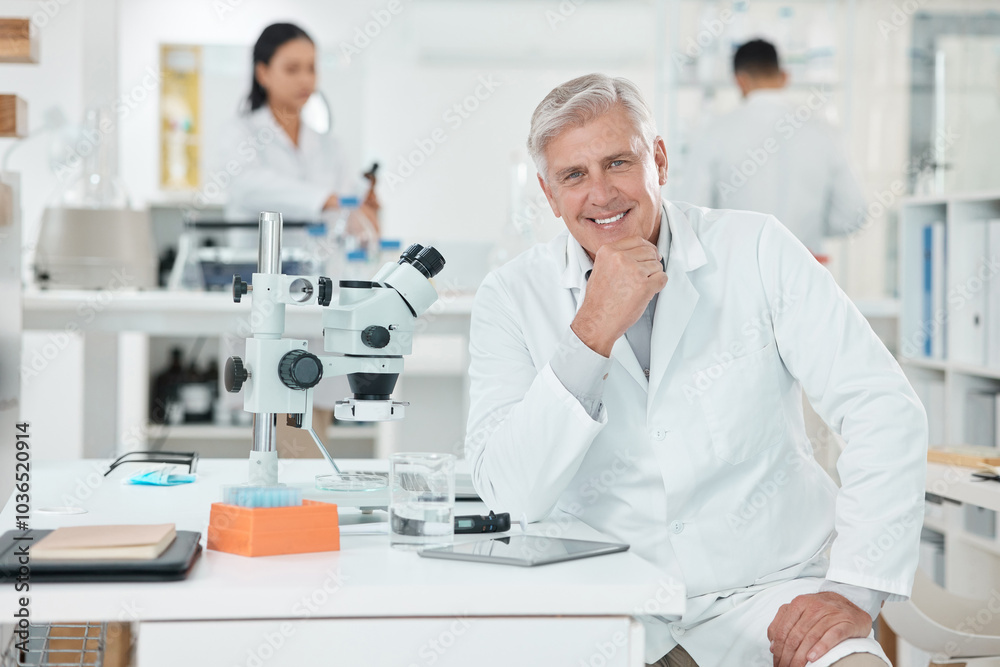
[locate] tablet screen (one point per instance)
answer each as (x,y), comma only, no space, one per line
(524,550)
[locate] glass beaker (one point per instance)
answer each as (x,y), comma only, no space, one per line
(422,505)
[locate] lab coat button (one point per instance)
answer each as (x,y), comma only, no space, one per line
(677,526)
(660,433)
(680,632)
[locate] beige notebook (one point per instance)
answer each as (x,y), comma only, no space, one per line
(127,542)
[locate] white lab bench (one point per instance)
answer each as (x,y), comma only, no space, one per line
(366,604)
(971,561)
(116,326)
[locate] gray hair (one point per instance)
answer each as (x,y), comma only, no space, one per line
(580,101)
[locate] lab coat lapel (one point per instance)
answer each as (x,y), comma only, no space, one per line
(677,301)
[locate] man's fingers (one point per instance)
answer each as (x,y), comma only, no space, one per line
(650,267)
(786,649)
(816,645)
(631,245)
(816,631)
(784,621)
(656,283)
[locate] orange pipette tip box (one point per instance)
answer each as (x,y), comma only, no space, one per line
(272,531)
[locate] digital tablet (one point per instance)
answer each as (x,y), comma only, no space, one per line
(524,550)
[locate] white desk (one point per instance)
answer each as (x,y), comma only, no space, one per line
(364,605)
(958,484)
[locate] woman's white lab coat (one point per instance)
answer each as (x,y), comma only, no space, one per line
(273,174)
(705,469)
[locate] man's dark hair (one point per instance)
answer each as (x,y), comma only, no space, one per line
(756,57)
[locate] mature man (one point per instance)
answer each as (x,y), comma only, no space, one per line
(775,156)
(643,371)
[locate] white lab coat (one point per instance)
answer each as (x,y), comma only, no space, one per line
(275,175)
(761,157)
(706,470)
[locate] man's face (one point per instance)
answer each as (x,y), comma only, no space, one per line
(604,182)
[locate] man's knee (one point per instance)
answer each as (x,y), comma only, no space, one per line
(860,660)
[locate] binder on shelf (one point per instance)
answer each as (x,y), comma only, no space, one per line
(968,298)
(992,290)
(931,394)
(926,299)
(938,289)
(981,418)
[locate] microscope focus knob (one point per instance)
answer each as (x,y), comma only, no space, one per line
(375,336)
(325,292)
(299,369)
(235,374)
(239,288)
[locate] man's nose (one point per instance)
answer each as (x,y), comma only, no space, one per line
(602,191)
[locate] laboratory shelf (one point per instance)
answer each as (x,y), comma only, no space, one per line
(982,543)
(976,371)
(878,307)
(936,524)
(920,362)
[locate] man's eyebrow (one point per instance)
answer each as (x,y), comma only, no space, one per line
(567,171)
(619,156)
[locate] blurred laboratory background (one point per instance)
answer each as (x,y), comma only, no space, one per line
(115,118)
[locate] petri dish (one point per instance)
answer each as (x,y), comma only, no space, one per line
(352,482)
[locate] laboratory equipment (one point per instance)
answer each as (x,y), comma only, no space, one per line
(244,495)
(209,252)
(422,507)
(367,328)
(270,531)
(89,236)
(491,523)
(95,248)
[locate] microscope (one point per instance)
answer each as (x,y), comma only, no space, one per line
(366,330)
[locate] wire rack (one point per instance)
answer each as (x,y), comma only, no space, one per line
(58,645)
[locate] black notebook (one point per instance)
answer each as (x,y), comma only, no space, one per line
(172,565)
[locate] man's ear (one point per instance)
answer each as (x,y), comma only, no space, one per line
(548,196)
(660,158)
(745,82)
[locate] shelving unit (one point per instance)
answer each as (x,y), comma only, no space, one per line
(967,300)
(972,562)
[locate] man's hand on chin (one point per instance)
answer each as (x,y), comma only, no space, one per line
(810,625)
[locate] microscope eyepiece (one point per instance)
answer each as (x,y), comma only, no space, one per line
(426,260)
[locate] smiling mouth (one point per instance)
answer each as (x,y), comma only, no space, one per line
(609,220)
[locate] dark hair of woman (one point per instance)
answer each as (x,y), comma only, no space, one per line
(273,38)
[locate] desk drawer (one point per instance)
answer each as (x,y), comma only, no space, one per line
(607,641)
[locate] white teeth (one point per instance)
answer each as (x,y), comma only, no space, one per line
(606,221)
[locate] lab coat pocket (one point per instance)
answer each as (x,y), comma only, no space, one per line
(742,405)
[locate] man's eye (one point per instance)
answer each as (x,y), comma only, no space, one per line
(574,175)
(618,163)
